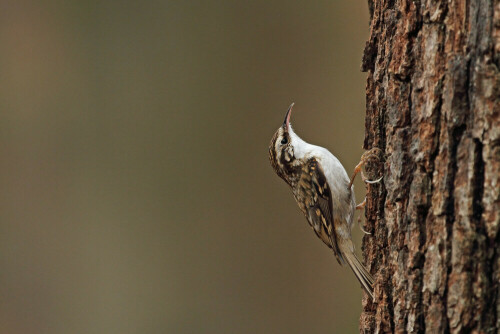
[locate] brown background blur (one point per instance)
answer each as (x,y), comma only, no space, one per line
(136,192)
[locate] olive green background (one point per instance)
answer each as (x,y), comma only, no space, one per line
(136,192)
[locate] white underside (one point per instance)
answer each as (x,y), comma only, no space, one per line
(343,200)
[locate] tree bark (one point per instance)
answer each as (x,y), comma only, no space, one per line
(433,97)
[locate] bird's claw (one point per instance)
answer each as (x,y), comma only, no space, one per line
(373,181)
(361,227)
(361,206)
(363,230)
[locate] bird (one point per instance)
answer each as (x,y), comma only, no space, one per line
(323,191)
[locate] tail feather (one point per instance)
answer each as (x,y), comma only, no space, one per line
(362,274)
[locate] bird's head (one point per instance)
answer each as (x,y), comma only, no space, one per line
(285,149)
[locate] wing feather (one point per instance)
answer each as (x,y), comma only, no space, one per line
(315,199)
(318,205)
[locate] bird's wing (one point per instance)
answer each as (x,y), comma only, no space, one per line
(318,205)
(316,202)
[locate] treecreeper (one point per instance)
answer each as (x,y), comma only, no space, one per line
(323,192)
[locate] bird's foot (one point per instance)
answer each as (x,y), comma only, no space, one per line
(361,206)
(373,154)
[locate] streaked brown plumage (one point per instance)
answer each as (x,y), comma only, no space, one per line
(322,191)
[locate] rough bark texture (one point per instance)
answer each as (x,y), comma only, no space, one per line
(433,97)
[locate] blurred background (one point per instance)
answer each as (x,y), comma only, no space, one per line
(136,193)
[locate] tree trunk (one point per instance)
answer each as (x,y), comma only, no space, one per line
(433,97)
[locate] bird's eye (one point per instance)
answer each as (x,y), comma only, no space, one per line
(284,141)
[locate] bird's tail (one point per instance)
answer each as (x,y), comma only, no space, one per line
(362,274)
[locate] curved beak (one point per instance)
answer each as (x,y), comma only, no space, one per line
(286,122)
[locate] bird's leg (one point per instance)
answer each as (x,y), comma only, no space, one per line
(361,206)
(368,155)
(359,168)
(356,171)
(361,226)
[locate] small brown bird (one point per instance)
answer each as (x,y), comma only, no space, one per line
(323,192)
